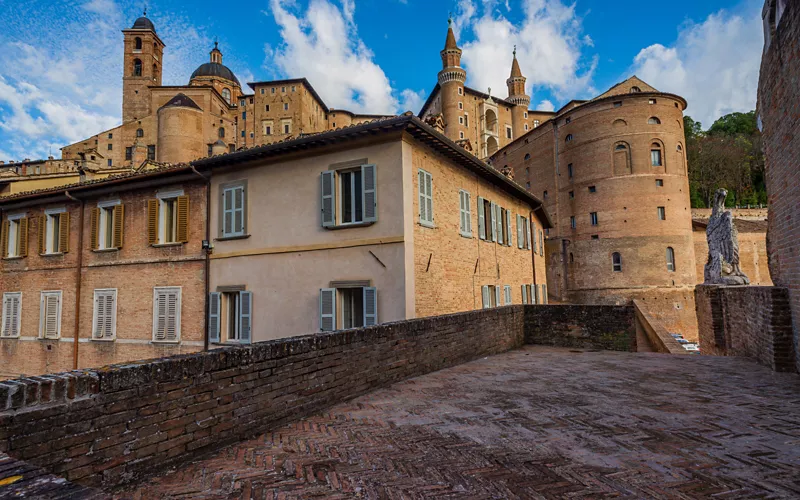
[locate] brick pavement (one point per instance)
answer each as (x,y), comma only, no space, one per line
(533,423)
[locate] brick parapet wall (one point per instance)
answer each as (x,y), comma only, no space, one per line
(113,425)
(753,321)
(655,331)
(590,327)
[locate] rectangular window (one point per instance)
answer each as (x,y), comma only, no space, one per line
(233,216)
(166,314)
(110,147)
(523,233)
(461,120)
(294,88)
(593,218)
(56,232)
(655,157)
(569,170)
(244,115)
(151,152)
(509,132)
(487,223)
(489,296)
(466,120)
(110,135)
(262,91)
(241,102)
(592,189)
(129,154)
(425,198)
(659,182)
(347,307)
(242,133)
(14,236)
(230,316)
(617,104)
(349,196)
(50,315)
(283,90)
(507,293)
(572,222)
(104,320)
(286,106)
(12,309)
(572,195)
(266,108)
(273,90)
(460,105)
(662,213)
(287,127)
(535,123)
(651,101)
(107,225)
(465,212)
(168,218)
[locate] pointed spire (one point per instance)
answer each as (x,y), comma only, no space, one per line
(450,43)
(515,71)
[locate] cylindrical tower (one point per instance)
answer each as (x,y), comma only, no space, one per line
(451,82)
(180,131)
(517,96)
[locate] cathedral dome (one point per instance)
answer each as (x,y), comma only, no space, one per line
(143,24)
(215,69)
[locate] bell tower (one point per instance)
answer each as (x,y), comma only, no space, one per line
(142,68)
(517,96)
(451,82)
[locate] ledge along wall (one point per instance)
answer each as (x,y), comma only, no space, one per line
(118,424)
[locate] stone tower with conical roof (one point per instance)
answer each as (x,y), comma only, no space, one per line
(142,68)
(451,80)
(517,96)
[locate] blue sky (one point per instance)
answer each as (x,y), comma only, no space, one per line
(60,62)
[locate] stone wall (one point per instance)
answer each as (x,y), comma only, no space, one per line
(587,327)
(779,111)
(109,426)
(753,321)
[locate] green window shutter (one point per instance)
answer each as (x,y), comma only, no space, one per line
(328,187)
(370,198)
(481,219)
(245,316)
(327,309)
(370,306)
(214,316)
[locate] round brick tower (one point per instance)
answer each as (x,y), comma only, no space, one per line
(451,80)
(517,96)
(180,131)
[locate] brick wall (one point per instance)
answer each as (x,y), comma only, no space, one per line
(779,109)
(113,425)
(753,321)
(588,327)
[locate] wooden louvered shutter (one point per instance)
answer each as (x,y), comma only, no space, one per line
(214,299)
(49,325)
(468,212)
(119,226)
(327,309)
(245,316)
(167,311)
(105,314)
(4,238)
(42,235)
(528,233)
(369,199)
(519,231)
(160,314)
(152,221)
(535,246)
(182,232)
(22,240)
(481,219)
(535,293)
(499,224)
(524,295)
(508,228)
(94,221)
(370,306)
(63,232)
(492,222)
(328,190)
(497,292)
(485,296)
(11,314)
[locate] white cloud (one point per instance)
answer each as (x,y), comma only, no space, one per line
(549,44)
(411,100)
(714,65)
(546,105)
(322,44)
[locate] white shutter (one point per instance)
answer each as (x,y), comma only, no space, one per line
(105,315)
(528,233)
(487,301)
(429,192)
(214,299)
(425,198)
(328,186)
(481,220)
(508,228)
(499,223)
(524,295)
(497,292)
(493,220)
(370,306)
(50,315)
(12,304)
(167,314)
(507,289)
(369,199)
(519,231)
(245,316)
(468,212)
(327,309)
(238,210)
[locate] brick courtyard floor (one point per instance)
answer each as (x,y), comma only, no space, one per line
(533,423)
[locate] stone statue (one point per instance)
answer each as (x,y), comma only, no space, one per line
(722,267)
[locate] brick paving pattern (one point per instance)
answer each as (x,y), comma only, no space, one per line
(533,423)
(21,480)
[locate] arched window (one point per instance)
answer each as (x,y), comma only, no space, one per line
(527,156)
(226,94)
(137,67)
(656,155)
(622,159)
(670,260)
(221,133)
(680,148)
(568,138)
(620,147)
(616,262)
(653,120)
(619,122)
(139,132)
(138,43)
(635,90)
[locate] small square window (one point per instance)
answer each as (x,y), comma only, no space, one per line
(572,195)
(595,237)
(659,182)
(617,104)
(110,136)
(286,106)
(569,119)
(266,108)
(662,213)
(592,189)
(110,147)
(651,101)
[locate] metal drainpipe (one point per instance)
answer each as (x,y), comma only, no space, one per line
(77,282)
(207,279)
(533,249)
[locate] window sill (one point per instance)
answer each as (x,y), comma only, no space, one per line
(163,245)
(165,342)
(13,258)
(105,250)
(427,224)
(229,343)
(10,337)
(103,340)
(229,238)
(468,236)
(54,254)
(348,226)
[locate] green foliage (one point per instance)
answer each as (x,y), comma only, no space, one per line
(729,155)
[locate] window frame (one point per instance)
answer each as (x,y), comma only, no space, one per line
(179,306)
(7,297)
(163,198)
(662,213)
(53,237)
(671,267)
(106,212)
(616,262)
(14,243)
(594,219)
(43,313)
(99,292)
(226,189)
